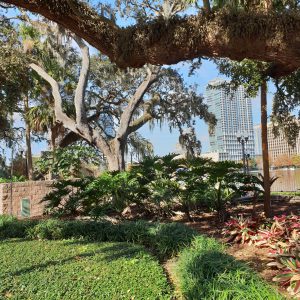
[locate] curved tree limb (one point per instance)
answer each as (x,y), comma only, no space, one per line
(92,136)
(82,82)
(135,101)
(266,36)
(58,108)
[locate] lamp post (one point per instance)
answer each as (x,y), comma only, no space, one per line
(243,138)
(247,160)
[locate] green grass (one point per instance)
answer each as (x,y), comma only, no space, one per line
(289,194)
(70,270)
(205,271)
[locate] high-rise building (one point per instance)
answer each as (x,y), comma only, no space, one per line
(233,111)
(277,145)
(257,140)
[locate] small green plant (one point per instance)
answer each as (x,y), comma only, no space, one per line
(13,179)
(66,163)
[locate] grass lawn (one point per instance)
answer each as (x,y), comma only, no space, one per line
(206,272)
(79,270)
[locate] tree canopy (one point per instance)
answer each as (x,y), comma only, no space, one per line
(260,30)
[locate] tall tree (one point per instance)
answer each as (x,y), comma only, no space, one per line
(260,30)
(108,106)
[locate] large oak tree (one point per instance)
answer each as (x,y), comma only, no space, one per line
(257,32)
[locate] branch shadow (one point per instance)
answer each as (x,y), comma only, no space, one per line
(217,275)
(110,253)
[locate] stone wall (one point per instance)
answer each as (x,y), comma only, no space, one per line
(11,197)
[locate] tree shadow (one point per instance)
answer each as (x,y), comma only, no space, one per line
(109,253)
(216,275)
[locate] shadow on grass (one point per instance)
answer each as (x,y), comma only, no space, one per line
(109,253)
(114,250)
(15,240)
(216,275)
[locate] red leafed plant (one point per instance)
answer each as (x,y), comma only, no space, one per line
(283,233)
(240,229)
(289,275)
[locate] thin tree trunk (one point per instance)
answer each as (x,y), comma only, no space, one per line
(28,142)
(265,150)
(206,6)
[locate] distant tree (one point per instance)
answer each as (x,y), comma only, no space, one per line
(296,160)
(283,160)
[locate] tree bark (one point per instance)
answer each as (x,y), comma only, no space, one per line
(265,151)
(28,142)
(206,6)
(259,35)
(116,160)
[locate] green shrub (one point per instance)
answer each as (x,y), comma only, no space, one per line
(168,239)
(10,227)
(164,239)
(93,197)
(206,272)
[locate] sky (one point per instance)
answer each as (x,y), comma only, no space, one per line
(162,139)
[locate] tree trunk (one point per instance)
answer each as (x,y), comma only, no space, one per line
(28,142)
(206,6)
(265,150)
(116,160)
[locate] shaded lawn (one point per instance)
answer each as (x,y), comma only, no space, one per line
(206,272)
(69,270)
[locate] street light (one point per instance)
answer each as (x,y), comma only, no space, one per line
(243,138)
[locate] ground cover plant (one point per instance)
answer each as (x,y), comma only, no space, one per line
(70,269)
(204,270)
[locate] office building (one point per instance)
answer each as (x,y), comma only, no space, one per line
(233,110)
(277,145)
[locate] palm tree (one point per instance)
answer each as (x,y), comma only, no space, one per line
(41,119)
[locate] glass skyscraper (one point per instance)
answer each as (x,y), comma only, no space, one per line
(233,110)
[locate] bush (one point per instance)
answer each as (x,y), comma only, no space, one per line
(10,227)
(164,239)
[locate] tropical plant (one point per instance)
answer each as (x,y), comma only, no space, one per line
(192,180)
(289,275)
(68,162)
(282,233)
(240,230)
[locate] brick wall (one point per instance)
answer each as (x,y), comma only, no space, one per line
(32,190)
